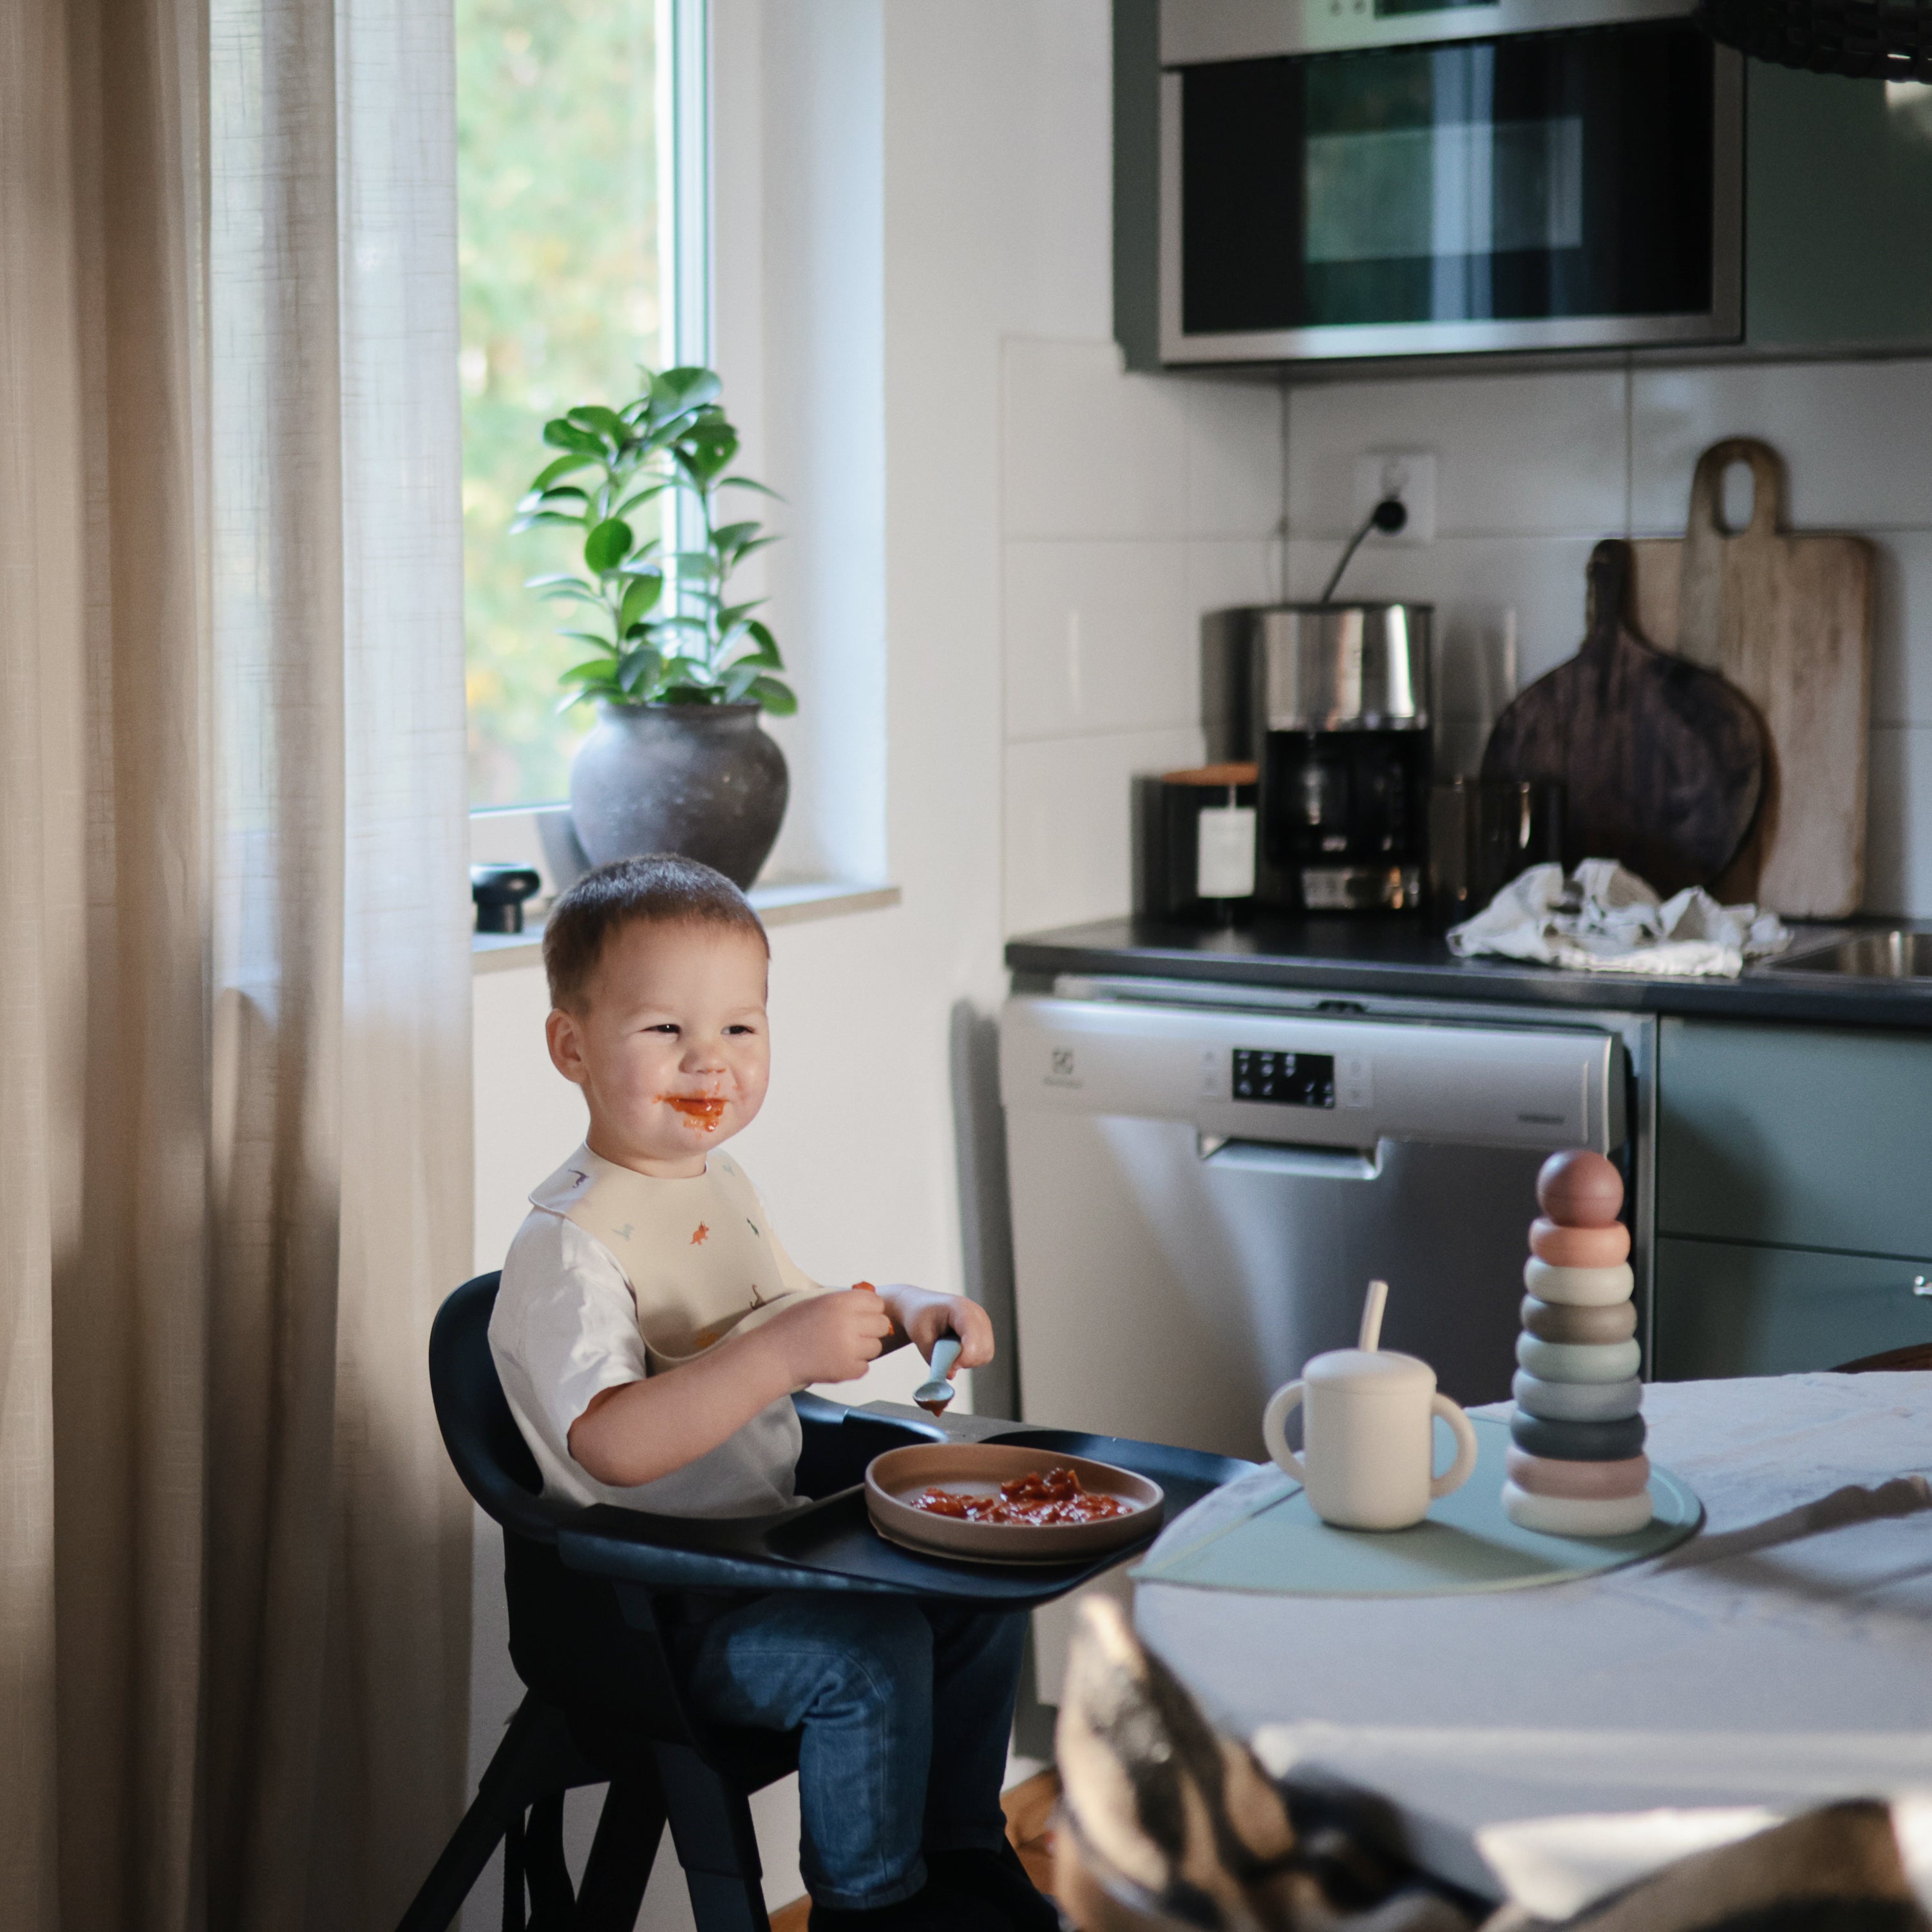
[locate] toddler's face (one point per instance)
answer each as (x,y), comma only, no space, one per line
(671,1047)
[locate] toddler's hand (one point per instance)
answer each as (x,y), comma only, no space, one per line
(831,1338)
(926,1316)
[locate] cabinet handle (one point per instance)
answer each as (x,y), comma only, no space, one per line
(1921,1287)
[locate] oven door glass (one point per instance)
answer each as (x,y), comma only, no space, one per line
(1493,192)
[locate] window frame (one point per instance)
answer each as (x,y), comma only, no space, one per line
(682,111)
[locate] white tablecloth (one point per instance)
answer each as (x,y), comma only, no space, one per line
(1775,1659)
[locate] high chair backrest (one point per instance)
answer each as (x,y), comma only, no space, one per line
(478,1430)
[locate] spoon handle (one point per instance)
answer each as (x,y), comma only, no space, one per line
(945,1357)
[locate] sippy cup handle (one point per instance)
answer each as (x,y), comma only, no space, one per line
(1459,1471)
(1281,1406)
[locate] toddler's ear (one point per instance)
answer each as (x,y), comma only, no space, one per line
(561,1034)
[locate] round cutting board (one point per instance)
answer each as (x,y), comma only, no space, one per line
(979,1469)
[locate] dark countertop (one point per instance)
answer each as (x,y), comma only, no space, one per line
(1403,958)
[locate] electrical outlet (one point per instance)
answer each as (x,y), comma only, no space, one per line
(1409,474)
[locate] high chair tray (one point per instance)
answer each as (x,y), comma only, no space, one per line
(830,1543)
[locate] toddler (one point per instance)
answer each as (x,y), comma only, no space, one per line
(649,1333)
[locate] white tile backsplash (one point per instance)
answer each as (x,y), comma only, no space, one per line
(1898,821)
(1514,454)
(1131,505)
(1099,637)
(1222,575)
(1854,437)
(1068,846)
(1473,582)
(1902,629)
(1234,463)
(1088,450)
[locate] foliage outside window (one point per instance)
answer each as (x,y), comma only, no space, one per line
(562,297)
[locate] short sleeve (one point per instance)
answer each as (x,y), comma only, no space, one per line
(564,1328)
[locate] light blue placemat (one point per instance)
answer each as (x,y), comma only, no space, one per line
(1277,1544)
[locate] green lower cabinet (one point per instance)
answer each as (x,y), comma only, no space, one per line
(1722,1308)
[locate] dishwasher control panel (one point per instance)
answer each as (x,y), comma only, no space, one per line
(1314,1080)
(1283,1079)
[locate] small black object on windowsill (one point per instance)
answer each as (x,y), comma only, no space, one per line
(500,892)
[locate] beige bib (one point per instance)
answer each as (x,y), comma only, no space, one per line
(701,1262)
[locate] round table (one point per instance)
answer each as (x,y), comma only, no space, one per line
(1783,1655)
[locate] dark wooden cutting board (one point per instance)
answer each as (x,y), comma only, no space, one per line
(1664,761)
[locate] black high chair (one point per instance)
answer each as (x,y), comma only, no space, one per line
(590,1594)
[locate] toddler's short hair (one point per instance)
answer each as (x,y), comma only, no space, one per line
(661,889)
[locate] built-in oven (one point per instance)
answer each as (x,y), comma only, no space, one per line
(1374,177)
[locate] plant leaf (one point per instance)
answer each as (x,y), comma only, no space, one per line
(560,434)
(746,483)
(776,696)
(593,670)
(591,638)
(734,618)
(694,563)
(562,466)
(644,496)
(544,517)
(594,417)
(677,390)
(767,651)
(640,670)
(608,544)
(539,499)
(643,592)
(706,448)
(684,621)
(738,680)
(563,586)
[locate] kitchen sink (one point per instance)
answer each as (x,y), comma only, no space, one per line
(1893,954)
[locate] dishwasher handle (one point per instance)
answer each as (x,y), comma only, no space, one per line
(1291,1162)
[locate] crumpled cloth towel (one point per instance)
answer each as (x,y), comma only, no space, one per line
(1604,919)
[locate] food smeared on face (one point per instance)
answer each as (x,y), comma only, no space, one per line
(703,1111)
(1040,1500)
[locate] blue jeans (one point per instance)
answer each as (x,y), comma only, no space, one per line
(871,1681)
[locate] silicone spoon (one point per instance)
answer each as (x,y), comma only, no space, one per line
(934,1393)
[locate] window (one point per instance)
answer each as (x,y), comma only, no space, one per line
(580,186)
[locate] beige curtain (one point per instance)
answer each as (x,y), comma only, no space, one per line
(234,1143)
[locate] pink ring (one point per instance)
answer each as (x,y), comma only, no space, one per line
(1584,1482)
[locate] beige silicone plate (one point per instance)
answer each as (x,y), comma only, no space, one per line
(980,1467)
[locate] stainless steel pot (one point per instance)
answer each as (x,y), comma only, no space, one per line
(1342,666)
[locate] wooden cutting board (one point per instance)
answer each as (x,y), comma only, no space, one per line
(1663,760)
(1787,619)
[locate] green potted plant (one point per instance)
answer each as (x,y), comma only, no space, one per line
(681,677)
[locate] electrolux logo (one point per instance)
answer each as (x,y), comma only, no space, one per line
(1060,1070)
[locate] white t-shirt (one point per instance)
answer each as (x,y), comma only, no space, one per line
(615,1276)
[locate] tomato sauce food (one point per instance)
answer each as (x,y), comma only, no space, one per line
(1039,1499)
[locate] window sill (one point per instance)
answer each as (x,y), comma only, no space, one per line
(776,905)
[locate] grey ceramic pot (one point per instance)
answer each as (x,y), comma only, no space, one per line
(700,779)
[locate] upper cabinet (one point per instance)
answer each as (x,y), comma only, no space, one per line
(1305,183)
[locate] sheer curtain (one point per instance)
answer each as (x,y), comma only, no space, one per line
(235,1143)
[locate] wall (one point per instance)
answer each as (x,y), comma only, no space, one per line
(1532,469)
(1000,548)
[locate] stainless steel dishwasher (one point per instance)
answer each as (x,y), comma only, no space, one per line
(1203,1179)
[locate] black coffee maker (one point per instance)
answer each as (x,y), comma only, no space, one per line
(1332,702)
